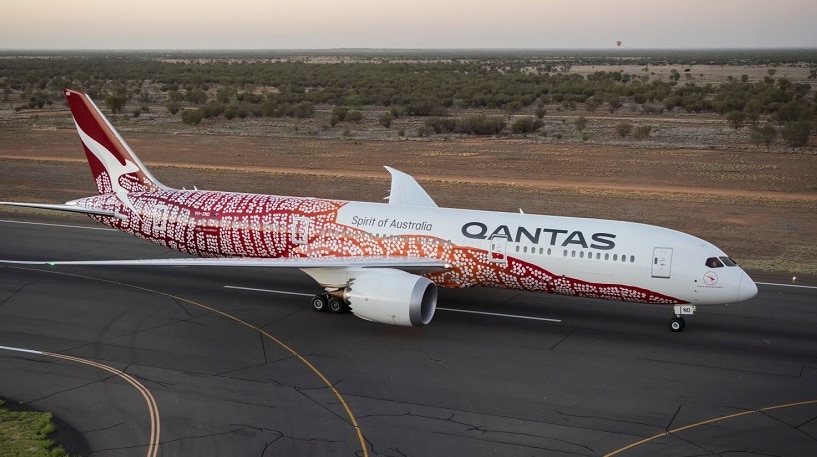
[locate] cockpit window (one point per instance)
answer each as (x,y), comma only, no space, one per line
(728,262)
(714,262)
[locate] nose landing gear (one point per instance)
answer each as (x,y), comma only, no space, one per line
(677,323)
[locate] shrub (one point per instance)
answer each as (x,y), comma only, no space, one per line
(231,111)
(302,110)
(641,132)
(441,124)
(212,109)
(580,123)
(354,116)
(340,112)
(113,102)
(796,133)
(526,125)
(192,116)
(540,111)
(624,129)
(385,120)
(736,119)
(652,108)
(481,124)
(424,131)
(765,135)
(614,103)
(269,109)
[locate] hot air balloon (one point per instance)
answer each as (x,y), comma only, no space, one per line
(618,43)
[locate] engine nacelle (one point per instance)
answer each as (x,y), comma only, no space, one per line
(392,297)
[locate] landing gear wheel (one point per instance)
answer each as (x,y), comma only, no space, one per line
(676,324)
(336,305)
(319,303)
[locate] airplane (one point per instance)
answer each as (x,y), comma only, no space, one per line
(385,261)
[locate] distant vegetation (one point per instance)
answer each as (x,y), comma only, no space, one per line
(441,86)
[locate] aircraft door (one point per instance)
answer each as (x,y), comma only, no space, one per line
(160,214)
(300,230)
(661,262)
(498,245)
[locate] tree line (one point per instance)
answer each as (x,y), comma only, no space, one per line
(292,87)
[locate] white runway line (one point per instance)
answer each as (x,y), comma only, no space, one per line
(512,316)
(28,351)
(785,285)
(269,291)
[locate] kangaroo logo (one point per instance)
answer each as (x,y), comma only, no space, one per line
(112,165)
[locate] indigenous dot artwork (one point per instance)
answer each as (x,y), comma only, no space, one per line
(218,224)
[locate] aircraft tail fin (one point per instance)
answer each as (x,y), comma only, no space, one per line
(114,165)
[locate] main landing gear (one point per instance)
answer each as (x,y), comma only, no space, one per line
(677,323)
(329,302)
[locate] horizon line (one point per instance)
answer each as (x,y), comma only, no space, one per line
(398,49)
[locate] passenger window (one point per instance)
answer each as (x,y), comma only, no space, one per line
(713,262)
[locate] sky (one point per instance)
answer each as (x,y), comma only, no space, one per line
(415,24)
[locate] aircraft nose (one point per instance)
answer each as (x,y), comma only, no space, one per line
(747,288)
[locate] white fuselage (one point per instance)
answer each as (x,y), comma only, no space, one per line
(563,255)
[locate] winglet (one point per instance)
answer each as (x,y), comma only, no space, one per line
(114,165)
(406,191)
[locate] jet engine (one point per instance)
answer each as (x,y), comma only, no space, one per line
(392,297)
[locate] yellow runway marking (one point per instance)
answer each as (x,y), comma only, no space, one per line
(153,443)
(307,363)
(708,421)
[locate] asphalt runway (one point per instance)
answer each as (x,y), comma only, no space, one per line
(247,372)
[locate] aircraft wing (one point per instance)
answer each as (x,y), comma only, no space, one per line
(69,208)
(416,264)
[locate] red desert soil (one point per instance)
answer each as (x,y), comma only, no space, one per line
(759,207)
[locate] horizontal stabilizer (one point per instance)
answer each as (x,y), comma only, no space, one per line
(69,208)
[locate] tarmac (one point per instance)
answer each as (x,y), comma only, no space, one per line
(217,361)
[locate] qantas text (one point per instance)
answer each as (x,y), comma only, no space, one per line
(553,237)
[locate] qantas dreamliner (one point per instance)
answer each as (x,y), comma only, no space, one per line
(384,261)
